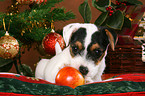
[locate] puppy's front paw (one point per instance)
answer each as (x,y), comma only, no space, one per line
(98,79)
(88,80)
(39,72)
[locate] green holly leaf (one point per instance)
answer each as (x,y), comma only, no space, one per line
(134,2)
(5,64)
(101,19)
(1,0)
(127,22)
(85,11)
(26,70)
(101,4)
(116,20)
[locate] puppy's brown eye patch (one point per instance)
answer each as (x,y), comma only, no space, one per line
(76,48)
(94,46)
(79,44)
(95,52)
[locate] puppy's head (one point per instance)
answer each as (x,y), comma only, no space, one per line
(88,44)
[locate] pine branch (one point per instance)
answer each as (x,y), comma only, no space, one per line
(59,14)
(32,25)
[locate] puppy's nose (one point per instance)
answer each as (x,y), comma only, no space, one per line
(84,70)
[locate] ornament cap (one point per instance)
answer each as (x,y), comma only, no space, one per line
(7,34)
(52,30)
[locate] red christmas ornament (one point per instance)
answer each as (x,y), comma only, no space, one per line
(49,42)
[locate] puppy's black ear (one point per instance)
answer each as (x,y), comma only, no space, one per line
(112,36)
(68,30)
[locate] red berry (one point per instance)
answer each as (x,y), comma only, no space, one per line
(109,8)
(124,4)
(110,14)
(111,11)
(116,2)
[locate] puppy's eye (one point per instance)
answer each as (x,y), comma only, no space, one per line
(98,52)
(75,49)
(94,54)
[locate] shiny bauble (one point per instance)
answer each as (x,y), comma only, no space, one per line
(30,1)
(49,42)
(9,46)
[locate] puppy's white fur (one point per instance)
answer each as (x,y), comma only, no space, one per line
(48,69)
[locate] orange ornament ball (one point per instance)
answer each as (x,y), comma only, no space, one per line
(69,76)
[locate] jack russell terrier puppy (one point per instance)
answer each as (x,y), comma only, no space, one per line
(86,49)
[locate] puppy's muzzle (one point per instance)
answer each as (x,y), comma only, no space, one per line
(84,70)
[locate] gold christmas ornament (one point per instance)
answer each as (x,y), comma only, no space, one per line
(30,1)
(25,1)
(9,46)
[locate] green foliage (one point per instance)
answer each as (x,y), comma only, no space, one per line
(5,64)
(2,33)
(115,20)
(132,2)
(85,11)
(58,14)
(101,19)
(101,4)
(26,70)
(30,27)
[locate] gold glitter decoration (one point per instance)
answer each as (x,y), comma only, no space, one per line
(9,47)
